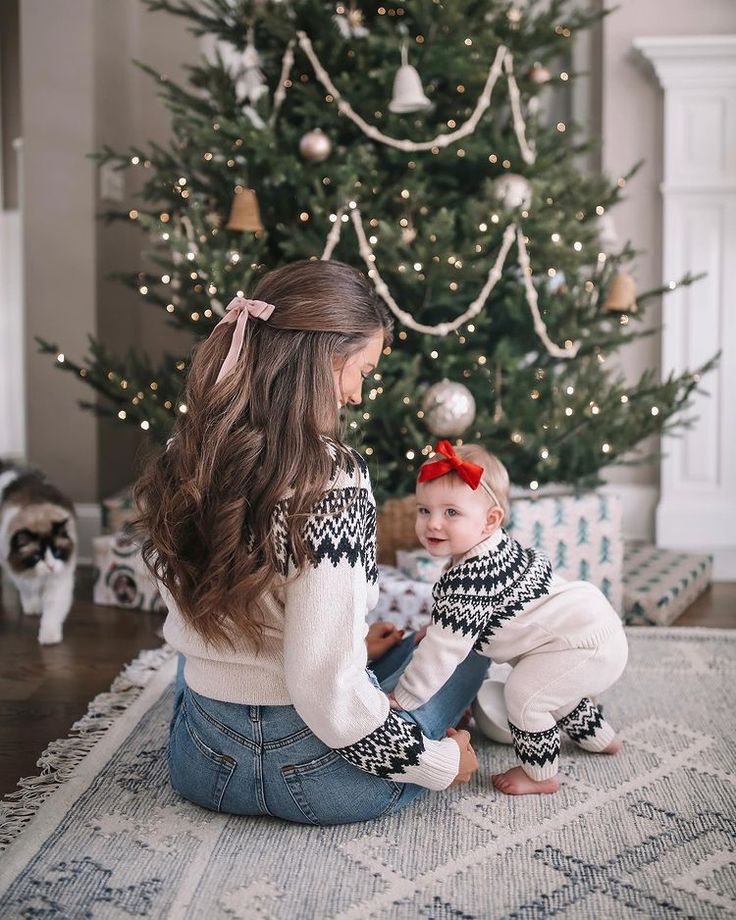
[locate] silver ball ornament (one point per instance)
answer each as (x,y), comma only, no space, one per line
(315,146)
(449,408)
(513,191)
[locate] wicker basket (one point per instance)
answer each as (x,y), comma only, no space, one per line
(396,528)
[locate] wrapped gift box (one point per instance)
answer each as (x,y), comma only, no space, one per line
(580,533)
(122,579)
(402,601)
(117,511)
(659,584)
(420,565)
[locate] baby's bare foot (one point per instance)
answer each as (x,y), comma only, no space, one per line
(614,747)
(516,782)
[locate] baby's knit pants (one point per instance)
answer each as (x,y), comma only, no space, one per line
(549,690)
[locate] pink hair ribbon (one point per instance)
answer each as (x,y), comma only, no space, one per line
(238,311)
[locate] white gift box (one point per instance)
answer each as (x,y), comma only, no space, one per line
(580,534)
(122,579)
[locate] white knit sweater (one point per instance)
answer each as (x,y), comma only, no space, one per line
(503,601)
(314,654)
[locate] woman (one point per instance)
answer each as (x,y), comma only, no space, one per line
(260,524)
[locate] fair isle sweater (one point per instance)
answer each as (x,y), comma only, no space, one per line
(504,602)
(313,655)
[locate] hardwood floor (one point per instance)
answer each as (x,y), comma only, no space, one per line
(44,689)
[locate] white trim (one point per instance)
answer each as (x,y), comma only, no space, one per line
(89,526)
(697,507)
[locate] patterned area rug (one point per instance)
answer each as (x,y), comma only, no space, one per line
(649,833)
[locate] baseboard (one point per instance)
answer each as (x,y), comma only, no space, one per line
(89,526)
(639,507)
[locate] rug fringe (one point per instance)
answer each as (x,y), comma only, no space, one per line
(60,759)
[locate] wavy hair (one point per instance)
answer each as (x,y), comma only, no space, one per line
(243,445)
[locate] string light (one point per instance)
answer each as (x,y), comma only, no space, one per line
(60,357)
(534,485)
(606,448)
(654,410)
(122,414)
(145,425)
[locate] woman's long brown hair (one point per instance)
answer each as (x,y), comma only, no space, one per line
(246,443)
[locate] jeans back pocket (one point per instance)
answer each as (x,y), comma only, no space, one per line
(198,772)
(330,790)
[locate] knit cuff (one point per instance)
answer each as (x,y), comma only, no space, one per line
(598,742)
(405,699)
(546,771)
(438,765)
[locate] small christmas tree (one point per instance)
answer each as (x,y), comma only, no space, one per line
(406,139)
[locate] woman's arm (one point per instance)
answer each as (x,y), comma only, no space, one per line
(325,655)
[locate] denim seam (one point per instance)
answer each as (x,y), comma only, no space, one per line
(230,766)
(289,739)
(203,748)
(258,759)
(233,736)
(297,795)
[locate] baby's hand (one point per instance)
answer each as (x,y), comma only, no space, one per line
(392,701)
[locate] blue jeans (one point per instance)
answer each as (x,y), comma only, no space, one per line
(264,760)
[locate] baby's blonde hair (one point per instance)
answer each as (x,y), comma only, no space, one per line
(494,472)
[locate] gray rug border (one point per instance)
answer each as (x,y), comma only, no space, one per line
(72,784)
(159,666)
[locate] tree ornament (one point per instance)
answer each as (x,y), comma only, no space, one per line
(350,22)
(557,284)
(449,408)
(514,16)
(245,213)
(540,74)
(513,191)
(249,84)
(607,235)
(621,296)
(315,146)
(408,94)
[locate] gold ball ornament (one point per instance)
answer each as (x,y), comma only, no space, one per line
(315,146)
(621,296)
(449,408)
(540,74)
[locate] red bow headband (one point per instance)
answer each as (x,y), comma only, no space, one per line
(470,473)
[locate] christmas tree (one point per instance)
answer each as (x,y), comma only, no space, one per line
(408,139)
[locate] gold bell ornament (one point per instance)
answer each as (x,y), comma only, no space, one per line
(621,296)
(245,214)
(408,94)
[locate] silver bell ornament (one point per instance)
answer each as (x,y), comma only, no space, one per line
(513,191)
(315,146)
(449,408)
(408,94)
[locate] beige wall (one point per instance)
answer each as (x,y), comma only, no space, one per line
(79,91)
(631,109)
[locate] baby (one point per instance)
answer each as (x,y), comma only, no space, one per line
(563,639)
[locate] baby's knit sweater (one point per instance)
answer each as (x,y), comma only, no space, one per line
(313,654)
(504,602)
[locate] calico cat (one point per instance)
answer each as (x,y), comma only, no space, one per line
(38,546)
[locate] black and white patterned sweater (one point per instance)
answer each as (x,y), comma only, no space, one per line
(314,655)
(502,601)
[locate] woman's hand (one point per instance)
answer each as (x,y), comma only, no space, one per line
(468,760)
(381,637)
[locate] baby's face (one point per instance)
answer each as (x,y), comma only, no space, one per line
(451,517)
